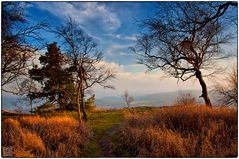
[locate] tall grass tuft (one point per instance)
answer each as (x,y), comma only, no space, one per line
(35,136)
(180,132)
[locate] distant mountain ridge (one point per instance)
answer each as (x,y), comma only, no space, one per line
(156,99)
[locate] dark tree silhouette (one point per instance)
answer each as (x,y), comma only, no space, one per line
(54,76)
(17,50)
(85,61)
(185,39)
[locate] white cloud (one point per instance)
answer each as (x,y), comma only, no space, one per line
(120,46)
(123,37)
(138,82)
(111,65)
(84,13)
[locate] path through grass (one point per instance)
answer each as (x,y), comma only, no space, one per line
(101,122)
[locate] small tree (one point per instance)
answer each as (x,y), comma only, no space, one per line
(227,90)
(90,103)
(127,98)
(27,88)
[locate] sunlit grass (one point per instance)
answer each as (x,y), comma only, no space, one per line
(179,132)
(192,131)
(35,136)
(101,121)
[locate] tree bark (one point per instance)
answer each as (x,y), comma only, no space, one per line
(83,79)
(78,103)
(204,88)
(83,106)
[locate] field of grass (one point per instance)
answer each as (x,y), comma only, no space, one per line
(35,136)
(179,132)
(137,132)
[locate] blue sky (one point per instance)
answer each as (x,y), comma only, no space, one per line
(115,27)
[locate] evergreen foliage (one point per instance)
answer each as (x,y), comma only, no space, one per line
(53,76)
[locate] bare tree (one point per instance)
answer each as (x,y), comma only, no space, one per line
(184,40)
(85,61)
(227,89)
(127,98)
(27,89)
(17,47)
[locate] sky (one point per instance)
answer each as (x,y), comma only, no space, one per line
(115,27)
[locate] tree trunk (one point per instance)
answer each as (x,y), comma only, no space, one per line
(61,97)
(83,106)
(204,88)
(83,79)
(78,103)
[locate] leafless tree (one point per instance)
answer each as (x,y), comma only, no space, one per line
(127,98)
(26,90)
(184,40)
(227,89)
(84,60)
(17,43)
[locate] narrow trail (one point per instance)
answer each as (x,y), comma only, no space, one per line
(104,125)
(106,143)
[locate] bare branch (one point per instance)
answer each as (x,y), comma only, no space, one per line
(185,38)
(84,60)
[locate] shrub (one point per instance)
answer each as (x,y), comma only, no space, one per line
(186,99)
(90,104)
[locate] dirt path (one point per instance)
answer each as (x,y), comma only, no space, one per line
(106,143)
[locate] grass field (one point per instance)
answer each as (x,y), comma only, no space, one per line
(35,136)
(179,132)
(136,132)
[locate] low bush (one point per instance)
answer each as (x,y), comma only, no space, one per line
(186,99)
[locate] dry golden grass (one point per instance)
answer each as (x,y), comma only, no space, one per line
(35,136)
(180,132)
